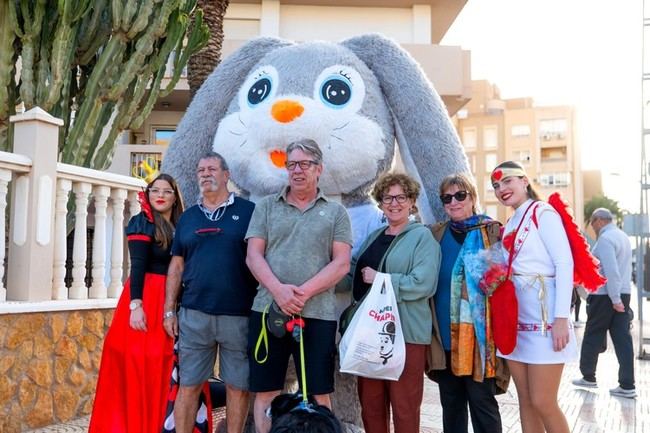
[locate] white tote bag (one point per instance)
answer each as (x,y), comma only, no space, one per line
(373,344)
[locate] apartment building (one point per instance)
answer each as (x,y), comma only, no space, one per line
(493,129)
(417,25)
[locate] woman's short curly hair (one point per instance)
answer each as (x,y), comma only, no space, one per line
(410,186)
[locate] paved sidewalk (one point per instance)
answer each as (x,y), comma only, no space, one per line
(588,411)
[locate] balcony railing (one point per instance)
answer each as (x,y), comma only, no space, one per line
(47,201)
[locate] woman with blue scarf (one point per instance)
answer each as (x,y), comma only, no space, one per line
(463,352)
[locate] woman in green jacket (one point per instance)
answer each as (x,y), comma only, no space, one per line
(407,251)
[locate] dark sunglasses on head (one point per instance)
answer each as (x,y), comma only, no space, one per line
(458,195)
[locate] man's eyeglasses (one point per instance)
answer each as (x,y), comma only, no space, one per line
(458,195)
(164,192)
(304,165)
(399,198)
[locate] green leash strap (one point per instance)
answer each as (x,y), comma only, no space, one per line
(263,338)
(303,373)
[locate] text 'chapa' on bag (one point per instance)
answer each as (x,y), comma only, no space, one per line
(373,343)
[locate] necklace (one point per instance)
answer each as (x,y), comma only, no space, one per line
(218,213)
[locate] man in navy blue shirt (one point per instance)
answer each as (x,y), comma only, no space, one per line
(208,257)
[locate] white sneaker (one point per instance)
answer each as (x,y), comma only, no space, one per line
(584,383)
(625,393)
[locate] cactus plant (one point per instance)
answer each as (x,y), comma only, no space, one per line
(97,64)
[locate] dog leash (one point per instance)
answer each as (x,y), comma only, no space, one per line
(263,340)
(303,373)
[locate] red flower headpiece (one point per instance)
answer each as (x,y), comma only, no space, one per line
(145,206)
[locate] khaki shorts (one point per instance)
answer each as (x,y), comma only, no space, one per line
(201,335)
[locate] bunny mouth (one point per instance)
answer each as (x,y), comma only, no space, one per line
(278,158)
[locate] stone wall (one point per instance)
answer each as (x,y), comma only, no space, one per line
(48,366)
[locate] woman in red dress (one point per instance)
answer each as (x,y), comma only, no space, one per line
(134,377)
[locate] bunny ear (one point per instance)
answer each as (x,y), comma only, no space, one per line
(195,133)
(428,143)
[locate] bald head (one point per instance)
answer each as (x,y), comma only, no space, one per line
(600,218)
(603,214)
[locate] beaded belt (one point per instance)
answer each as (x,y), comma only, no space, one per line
(532,327)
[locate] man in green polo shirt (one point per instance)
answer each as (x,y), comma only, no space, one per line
(299,246)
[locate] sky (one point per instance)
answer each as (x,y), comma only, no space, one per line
(584,53)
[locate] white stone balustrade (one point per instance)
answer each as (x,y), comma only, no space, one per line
(42,193)
(118,196)
(98,288)
(59,290)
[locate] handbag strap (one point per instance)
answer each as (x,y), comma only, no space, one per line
(511,256)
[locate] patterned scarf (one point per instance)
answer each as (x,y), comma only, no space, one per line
(472,344)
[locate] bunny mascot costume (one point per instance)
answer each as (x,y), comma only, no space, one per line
(355,98)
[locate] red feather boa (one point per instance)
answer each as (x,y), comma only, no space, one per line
(585,265)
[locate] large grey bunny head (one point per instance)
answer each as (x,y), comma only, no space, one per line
(315,90)
(354,98)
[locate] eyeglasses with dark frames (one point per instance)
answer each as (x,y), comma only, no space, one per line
(399,198)
(458,195)
(304,165)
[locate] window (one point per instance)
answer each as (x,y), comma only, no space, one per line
(520,131)
(522,156)
(552,129)
(490,137)
(490,161)
(561,179)
(489,190)
(162,136)
(555,179)
(137,158)
(471,159)
(469,138)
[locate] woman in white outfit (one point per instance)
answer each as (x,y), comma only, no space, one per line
(542,272)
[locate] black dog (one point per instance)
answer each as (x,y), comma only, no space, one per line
(289,414)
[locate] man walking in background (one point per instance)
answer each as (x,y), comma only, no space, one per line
(609,308)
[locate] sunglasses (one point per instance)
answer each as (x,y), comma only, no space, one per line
(458,195)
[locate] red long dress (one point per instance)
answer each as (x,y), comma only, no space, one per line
(134,377)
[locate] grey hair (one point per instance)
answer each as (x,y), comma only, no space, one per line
(307,145)
(214,155)
(602,213)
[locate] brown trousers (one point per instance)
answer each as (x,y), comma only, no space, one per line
(403,396)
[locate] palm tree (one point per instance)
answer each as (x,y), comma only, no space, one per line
(202,63)
(606,202)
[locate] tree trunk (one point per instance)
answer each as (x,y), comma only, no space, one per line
(202,63)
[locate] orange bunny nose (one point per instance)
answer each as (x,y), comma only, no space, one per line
(286,110)
(278,158)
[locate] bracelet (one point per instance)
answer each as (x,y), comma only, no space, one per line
(168,314)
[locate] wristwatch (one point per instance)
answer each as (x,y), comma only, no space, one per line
(134,305)
(168,314)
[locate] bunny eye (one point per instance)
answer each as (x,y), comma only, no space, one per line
(259,91)
(340,87)
(336,92)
